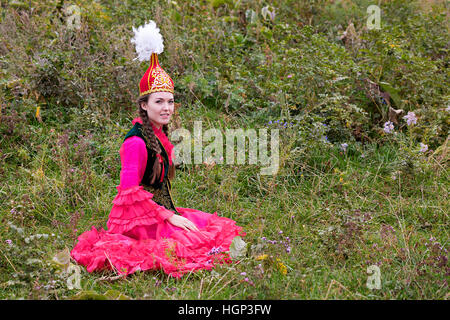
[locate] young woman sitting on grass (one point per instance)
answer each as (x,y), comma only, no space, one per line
(145,231)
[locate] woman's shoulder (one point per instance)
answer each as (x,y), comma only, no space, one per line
(135,131)
(134,141)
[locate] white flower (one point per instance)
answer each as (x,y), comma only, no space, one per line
(344,146)
(410,118)
(423,147)
(388,127)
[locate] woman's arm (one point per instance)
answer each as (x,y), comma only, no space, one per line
(134,160)
(133,155)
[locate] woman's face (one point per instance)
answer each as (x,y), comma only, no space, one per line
(159,107)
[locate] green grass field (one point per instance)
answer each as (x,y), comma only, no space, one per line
(315,227)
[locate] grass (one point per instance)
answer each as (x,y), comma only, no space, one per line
(341,216)
(315,227)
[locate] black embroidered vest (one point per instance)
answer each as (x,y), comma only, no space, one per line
(160,190)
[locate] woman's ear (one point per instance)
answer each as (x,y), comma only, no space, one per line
(144,105)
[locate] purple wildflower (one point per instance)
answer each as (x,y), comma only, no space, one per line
(215,250)
(410,118)
(423,147)
(388,127)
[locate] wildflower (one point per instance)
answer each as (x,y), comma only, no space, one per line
(423,147)
(448,108)
(263,238)
(262,257)
(280,232)
(249,281)
(215,250)
(388,127)
(410,118)
(290,75)
(9,242)
(344,146)
(281,267)
(243,273)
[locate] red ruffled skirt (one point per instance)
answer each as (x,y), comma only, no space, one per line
(139,238)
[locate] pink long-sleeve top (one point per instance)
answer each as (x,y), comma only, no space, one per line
(133,205)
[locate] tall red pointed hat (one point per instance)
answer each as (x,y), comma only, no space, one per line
(149,43)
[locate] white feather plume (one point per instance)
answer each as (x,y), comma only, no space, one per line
(147,40)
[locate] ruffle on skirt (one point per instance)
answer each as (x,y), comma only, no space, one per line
(139,238)
(134,207)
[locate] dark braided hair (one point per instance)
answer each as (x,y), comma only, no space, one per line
(152,142)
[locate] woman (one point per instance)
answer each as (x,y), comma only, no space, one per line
(145,229)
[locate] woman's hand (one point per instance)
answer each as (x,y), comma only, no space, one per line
(182,222)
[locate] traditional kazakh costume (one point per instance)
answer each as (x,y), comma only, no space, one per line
(138,235)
